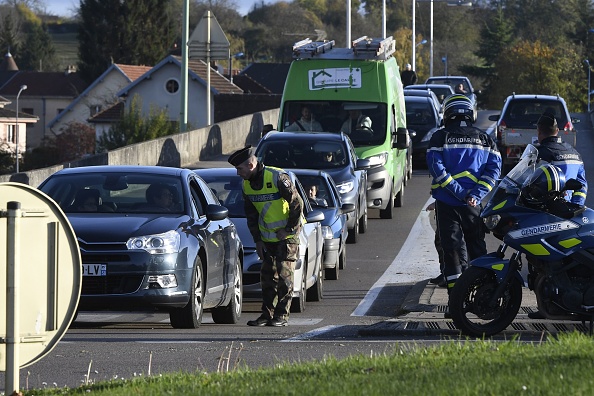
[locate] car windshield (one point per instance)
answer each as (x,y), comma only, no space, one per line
(452,82)
(116,192)
(228,189)
(419,114)
(334,116)
(304,154)
(522,113)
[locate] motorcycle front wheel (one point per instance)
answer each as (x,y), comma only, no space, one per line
(471,307)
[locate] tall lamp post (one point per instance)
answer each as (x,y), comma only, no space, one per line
(453,3)
(16,129)
(589,73)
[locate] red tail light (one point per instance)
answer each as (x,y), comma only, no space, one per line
(568,127)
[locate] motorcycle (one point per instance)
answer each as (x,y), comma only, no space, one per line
(557,239)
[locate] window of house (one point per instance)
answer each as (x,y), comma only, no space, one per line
(172,86)
(10,135)
(94,109)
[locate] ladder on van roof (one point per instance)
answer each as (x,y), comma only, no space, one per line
(362,48)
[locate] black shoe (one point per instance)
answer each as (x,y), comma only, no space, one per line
(261,321)
(437,280)
(536,315)
(442,283)
(277,322)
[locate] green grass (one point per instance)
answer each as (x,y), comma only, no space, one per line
(66,48)
(562,366)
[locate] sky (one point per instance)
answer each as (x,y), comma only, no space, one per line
(64,7)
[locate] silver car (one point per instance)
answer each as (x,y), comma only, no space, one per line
(309,271)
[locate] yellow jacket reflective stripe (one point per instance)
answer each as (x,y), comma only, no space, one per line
(273,209)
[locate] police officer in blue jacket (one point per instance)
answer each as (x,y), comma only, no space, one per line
(555,151)
(465,164)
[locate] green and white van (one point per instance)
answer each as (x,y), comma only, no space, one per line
(363,81)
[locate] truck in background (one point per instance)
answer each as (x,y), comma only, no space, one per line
(516,124)
(335,83)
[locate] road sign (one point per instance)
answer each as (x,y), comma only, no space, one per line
(40,271)
(208,39)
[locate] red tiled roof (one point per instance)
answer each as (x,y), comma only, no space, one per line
(217,81)
(110,114)
(133,72)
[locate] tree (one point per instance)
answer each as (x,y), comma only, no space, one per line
(133,127)
(38,51)
(135,32)
(76,141)
(533,67)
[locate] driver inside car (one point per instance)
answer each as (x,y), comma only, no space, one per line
(356,121)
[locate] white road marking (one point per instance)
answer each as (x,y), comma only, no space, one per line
(416,261)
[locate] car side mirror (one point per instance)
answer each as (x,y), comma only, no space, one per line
(362,163)
(494,117)
(402,139)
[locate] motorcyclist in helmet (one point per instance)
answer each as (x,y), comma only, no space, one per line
(465,164)
(555,151)
(558,153)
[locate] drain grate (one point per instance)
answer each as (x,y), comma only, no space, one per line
(411,325)
(518,326)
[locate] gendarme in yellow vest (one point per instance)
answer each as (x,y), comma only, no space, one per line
(273,209)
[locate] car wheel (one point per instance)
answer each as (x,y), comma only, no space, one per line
(332,273)
(231,313)
(190,316)
(342,258)
(399,201)
(316,292)
(354,232)
(388,213)
(298,303)
(363,222)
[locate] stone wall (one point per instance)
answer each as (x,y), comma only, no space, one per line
(176,151)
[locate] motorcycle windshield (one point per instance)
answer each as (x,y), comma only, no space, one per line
(512,183)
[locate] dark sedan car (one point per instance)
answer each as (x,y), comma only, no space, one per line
(308,284)
(324,195)
(152,238)
(423,119)
(330,152)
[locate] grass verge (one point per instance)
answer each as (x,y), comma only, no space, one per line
(553,367)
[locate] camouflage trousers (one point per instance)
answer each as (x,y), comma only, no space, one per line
(277,278)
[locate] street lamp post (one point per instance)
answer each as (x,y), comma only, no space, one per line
(454,3)
(16,129)
(589,73)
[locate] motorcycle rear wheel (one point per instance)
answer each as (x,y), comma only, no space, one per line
(469,303)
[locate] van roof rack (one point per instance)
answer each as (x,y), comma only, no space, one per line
(308,49)
(374,47)
(362,48)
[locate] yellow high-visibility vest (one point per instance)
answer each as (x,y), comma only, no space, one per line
(273,209)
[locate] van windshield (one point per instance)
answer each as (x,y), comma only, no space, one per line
(364,122)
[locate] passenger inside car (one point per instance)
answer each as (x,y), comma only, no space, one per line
(160,196)
(88,200)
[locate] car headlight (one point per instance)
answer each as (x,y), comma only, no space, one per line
(345,187)
(492,221)
(378,160)
(327,232)
(155,244)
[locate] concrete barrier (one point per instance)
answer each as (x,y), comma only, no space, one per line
(176,150)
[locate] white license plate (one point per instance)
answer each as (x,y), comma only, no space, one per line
(94,269)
